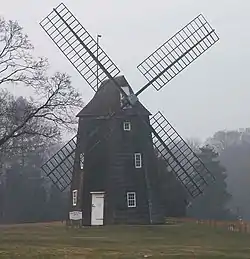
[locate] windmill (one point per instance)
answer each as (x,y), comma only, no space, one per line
(126,190)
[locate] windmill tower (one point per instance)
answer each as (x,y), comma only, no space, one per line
(110,164)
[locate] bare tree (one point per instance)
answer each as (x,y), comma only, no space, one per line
(17,64)
(54,101)
(223,139)
(55,106)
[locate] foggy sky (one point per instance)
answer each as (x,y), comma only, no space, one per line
(211,94)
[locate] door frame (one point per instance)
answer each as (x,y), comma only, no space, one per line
(100,193)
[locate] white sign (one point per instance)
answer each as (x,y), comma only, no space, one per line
(75,215)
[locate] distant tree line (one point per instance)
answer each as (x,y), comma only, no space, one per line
(233,147)
(30,127)
(27,196)
(212,204)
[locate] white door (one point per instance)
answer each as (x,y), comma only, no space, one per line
(97,209)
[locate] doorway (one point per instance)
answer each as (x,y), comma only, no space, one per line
(97,208)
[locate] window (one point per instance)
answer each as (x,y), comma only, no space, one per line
(126,126)
(81,160)
(127,91)
(131,199)
(138,160)
(74,197)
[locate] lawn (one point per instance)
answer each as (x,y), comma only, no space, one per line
(186,240)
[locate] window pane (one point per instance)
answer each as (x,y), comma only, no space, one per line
(131,199)
(138,160)
(126,126)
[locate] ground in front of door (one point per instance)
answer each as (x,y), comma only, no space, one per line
(187,240)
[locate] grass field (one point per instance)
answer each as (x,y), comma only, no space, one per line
(186,240)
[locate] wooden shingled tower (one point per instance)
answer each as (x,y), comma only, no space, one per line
(110,165)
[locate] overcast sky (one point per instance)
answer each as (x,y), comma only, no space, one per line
(212,94)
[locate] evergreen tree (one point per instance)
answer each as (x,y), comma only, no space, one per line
(27,197)
(57,204)
(1,199)
(212,203)
(171,192)
(24,194)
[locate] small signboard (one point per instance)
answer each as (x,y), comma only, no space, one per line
(75,215)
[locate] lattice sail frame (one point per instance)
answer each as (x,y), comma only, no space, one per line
(180,158)
(59,168)
(178,52)
(72,39)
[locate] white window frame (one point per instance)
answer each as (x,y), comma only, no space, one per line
(131,199)
(138,160)
(74,197)
(126,126)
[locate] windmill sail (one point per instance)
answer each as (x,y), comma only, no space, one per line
(178,52)
(180,158)
(78,46)
(164,64)
(59,168)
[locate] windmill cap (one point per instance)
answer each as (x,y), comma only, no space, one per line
(107,100)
